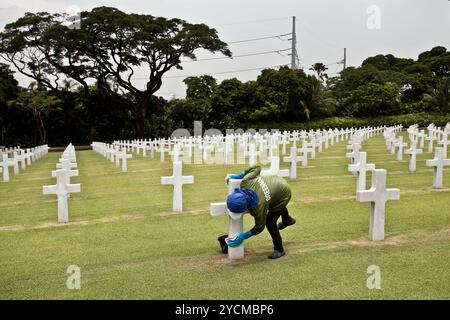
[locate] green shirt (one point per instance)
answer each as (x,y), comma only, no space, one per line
(273,193)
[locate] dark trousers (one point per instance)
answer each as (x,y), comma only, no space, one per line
(271,224)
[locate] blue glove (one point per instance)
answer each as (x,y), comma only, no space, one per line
(240,237)
(235,176)
(238,175)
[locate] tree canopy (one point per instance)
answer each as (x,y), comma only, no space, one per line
(107,48)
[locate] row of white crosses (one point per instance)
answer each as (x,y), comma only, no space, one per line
(139,146)
(24,156)
(265,143)
(440,160)
(250,145)
(378,194)
(114,153)
(178,180)
(63,188)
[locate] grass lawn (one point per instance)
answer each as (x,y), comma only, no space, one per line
(129,245)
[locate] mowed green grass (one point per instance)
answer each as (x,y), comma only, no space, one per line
(129,245)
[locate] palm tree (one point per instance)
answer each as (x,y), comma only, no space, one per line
(311,97)
(319,68)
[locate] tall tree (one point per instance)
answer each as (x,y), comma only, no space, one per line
(200,87)
(319,68)
(40,103)
(8,85)
(8,90)
(108,47)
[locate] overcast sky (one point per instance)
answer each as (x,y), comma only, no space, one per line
(324,28)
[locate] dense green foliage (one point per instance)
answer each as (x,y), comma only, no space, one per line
(107,47)
(87,73)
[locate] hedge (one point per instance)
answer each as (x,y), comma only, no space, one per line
(421,119)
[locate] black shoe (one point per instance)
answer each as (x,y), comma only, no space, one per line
(276,254)
(283,224)
(223,244)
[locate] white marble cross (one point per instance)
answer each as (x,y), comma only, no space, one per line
(122,155)
(355,147)
(293,159)
(14,162)
(236,221)
(304,157)
(62,189)
(22,159)
(112,153)
(274,169)
(422,139)
(377,195)
(319,142)
(400,145)
(445,142)
(413,152)
(66,165)
(430,139)
(28,155)
(4,165)
(439,162)
(152,150)
(361,167)
(252,154)
(177,180)
(162,150)
(312,145)
(176,153)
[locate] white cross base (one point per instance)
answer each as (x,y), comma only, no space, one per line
(177,180)
(274,169)
(62,189)
(377,195)
(236,221)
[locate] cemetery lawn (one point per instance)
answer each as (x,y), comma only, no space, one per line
(129,245)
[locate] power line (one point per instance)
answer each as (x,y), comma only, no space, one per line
(251,21)
(262,38)
(217,73)
(237,56)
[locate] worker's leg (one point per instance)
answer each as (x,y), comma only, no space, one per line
(286,219)
(271,224)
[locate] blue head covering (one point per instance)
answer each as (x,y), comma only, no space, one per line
(241,200)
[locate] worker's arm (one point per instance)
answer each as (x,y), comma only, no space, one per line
(250,173)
